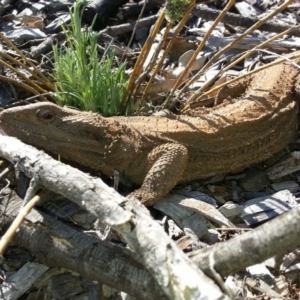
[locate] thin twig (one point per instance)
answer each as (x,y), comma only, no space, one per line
(9,234)
(135,27)
(6,170)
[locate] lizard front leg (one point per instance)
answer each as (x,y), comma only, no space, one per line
(166,164)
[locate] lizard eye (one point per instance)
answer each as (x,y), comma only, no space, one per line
(45,115)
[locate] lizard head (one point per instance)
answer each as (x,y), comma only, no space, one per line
(83,137)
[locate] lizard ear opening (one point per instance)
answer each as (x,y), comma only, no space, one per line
(45,115)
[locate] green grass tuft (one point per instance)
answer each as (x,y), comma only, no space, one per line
(83,79)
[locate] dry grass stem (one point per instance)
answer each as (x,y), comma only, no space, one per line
(23,86)
(32,83)
(152,62)
(276,62)
(142,57)
(32,72)
(12,45)
(230,45)
(248,53)
(245,55)
(169,46)
(200,47)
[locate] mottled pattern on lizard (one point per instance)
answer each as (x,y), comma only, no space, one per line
(258,120)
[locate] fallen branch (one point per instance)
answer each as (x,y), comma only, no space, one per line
(275,237)
(68,248)
(272,238)
(173,271)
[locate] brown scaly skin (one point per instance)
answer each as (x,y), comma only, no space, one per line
(158,152)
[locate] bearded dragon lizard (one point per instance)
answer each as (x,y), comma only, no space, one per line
(256,121)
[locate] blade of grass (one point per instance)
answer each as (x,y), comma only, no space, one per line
(80,71)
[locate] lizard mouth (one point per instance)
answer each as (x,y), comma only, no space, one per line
(11,128)
(48,138)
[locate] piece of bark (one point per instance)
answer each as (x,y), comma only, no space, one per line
(230,209)
(59,6)
(47,45)
(250,42)
(255,180)
(289,260)
(18,284)
(285,185)
(160,255)
(247,10)
(195,195)
(275,237)
(261,287)
(64,286)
